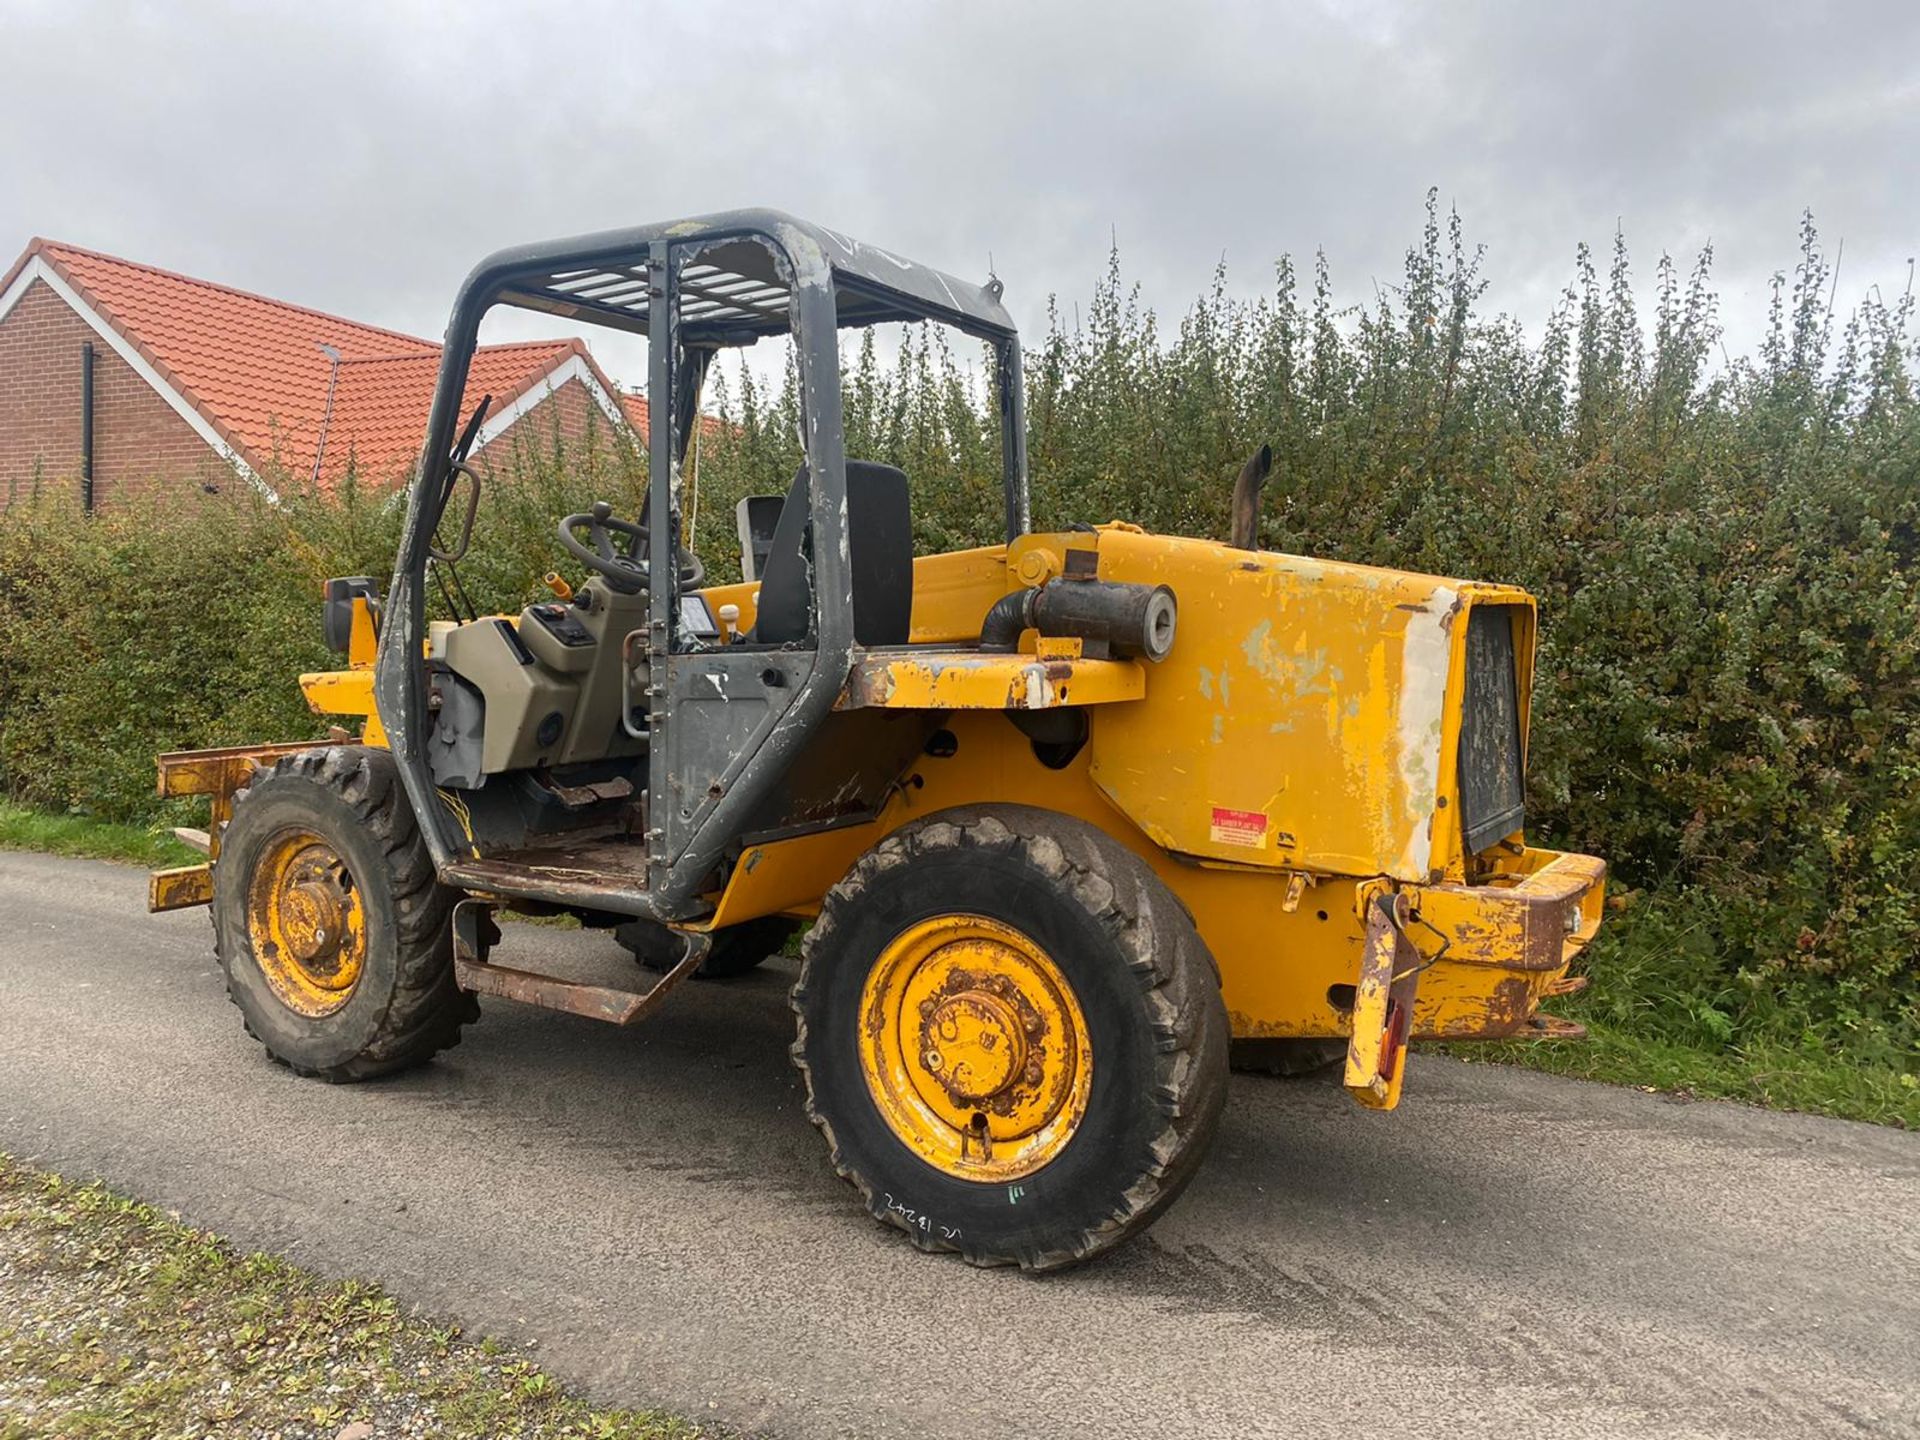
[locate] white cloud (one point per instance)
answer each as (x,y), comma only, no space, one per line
(362,157)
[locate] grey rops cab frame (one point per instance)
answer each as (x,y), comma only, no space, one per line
(722,735)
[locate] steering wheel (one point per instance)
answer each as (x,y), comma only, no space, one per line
(625,567)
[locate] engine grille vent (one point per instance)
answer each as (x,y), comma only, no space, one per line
(1492,767)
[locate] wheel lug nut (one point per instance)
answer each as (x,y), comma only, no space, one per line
(933,1059)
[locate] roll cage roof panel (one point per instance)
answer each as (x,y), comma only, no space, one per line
(735,293)
(692,286)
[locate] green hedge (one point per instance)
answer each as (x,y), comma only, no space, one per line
(1724,551)
(182,618)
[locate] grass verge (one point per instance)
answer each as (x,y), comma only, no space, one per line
(22,828)
(1770,1074)
(118,1322)
(1661,1015)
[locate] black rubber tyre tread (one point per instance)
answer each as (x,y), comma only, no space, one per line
(1154,936)
(736,950)
(424,1008)
(1288,1059)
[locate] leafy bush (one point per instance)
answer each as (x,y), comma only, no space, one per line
(1724,554)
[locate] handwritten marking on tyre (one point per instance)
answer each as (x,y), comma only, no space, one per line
(914,1220)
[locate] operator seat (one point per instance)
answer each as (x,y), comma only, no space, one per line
(880,546)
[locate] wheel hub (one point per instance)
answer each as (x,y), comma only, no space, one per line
(974,1047)
(314,904)
(974,1043)
(306,924)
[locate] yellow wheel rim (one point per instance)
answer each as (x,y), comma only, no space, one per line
(308,929)
(974,1048)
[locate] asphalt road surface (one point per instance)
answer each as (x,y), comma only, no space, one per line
(1508,1254)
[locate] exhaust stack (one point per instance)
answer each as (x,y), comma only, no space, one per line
(1246,499)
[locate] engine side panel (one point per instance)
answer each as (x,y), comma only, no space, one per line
(1307,717)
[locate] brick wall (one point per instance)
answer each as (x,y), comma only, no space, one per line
(139,441)
(570,405)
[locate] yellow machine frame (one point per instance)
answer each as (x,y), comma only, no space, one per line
(1288,773)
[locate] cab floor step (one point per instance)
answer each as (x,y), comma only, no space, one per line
(474,933)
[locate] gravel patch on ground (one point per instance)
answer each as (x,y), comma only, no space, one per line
(118,1322)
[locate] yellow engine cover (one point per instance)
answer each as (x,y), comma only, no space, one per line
(1308,715)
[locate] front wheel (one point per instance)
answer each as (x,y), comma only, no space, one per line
(1012,1036)
(335,936)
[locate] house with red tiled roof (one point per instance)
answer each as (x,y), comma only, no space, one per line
(116,375)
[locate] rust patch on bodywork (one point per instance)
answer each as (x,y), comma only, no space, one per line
(1494,951)
(973,680)
(179,889)
(221,772)
(474,932)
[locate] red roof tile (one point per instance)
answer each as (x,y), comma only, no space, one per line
(380,405)
(635,405)
(255,370)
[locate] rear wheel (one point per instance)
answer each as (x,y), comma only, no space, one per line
(332,930)
(736,949)
(1012,1036)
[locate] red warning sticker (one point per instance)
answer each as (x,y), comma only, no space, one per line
(1239,827)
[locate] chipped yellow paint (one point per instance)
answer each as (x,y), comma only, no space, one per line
(1373,1076)
(1505,942)
(181,888)
(1313,693)
(969,680)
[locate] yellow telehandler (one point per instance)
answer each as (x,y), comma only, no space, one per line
(1073,818)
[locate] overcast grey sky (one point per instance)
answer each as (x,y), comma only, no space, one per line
(360,157)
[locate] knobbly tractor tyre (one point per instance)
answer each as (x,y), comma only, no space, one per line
(334,935)
(736,949)
(1011,1035)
